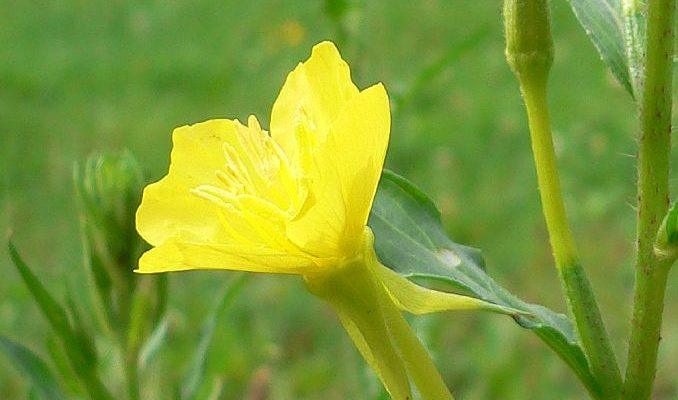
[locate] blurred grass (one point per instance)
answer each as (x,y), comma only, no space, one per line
(77,76)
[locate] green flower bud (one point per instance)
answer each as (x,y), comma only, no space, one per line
(108,189)
(529,46)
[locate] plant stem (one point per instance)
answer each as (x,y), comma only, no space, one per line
(378,329)
(529,52)
(418,363)
(138,328)
(548,178)
(353,294)
(579,294)
(653,199)
(132,375)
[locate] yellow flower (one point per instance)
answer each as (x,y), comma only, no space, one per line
(295,201)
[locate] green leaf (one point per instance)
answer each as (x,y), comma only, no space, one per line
(71,338)
(59,358)
(85,341)
(34,368)
(411,240)
(51,309)
(666,243)
(604,24)
(635,12)
(197,374)
(154,343)
(671,225)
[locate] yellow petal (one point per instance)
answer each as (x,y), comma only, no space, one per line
(319,229)
(181,256)
(317,89)
(420,300)
(344,176)
(357,144)
(168,208)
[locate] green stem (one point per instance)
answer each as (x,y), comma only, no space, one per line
(529,52)
(580,297)
(418,363)
(378,329)
(553,207)
(653,199)
(352,292)
(132,375)
(140,320)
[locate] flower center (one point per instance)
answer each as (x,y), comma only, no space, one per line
(256,173)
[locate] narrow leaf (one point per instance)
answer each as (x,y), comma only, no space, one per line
(34,368)
(634,12)
(154,343)
(64,370)
(80,333)
(671,225)
(411,241)
(70,338)
(604,24)
(50,308)
(197,372)
(666,243)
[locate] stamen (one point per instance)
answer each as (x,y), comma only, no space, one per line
(256,167)
(230,180)
(215,195)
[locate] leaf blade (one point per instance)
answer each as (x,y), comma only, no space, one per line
(196,375)
(604,24)
(410,239)
(71,338)
(43,381)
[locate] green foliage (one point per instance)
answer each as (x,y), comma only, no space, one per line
(671,225)
(410,240)
(42,379)
(666,243)
(108,189)
(197,384)
(603,21)
(75,342)
(78,76)
(634,12)
(155,342)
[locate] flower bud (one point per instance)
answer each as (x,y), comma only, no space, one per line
(529,46)
(109,190)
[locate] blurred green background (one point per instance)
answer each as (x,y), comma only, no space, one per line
(78,76)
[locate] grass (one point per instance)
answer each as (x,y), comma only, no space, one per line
(81,76)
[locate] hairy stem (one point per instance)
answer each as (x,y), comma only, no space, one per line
(653,199)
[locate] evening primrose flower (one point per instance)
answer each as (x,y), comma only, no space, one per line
(296,201)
